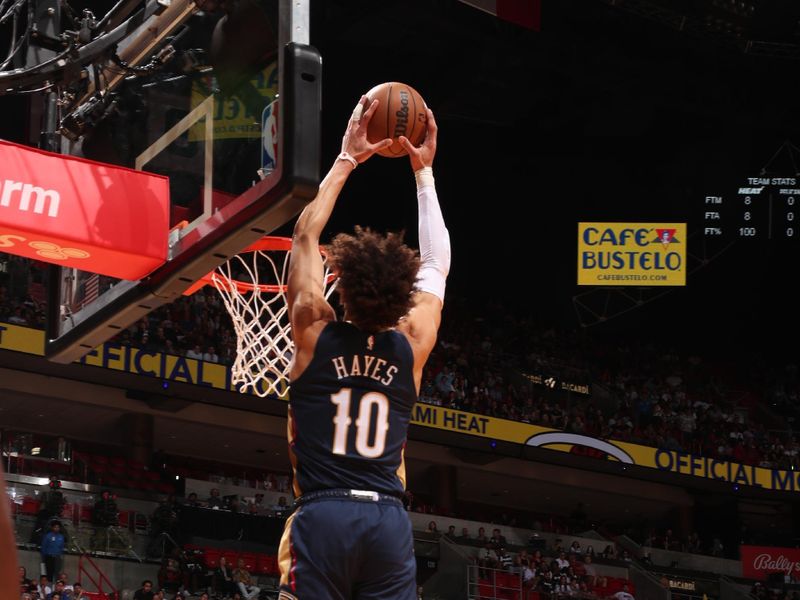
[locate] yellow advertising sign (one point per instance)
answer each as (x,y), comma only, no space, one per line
(643,254)
(187,370)
(237,116)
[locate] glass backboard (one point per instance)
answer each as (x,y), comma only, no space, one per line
(233,119)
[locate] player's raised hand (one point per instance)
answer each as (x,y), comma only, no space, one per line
(355,142)
(422,156)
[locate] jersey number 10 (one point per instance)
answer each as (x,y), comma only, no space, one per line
(342,422)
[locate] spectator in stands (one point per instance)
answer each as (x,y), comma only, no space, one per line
(610,552)
(191,500)
(245,583)
(497,540)
(482,539)
(432,528)
(52,550)
(503,560)
(171,573)
(196,352)
(105,513)
(214,501)
(575,587)
(668,542)
(624,593)
(464,537)
(163,527)
(232,503)
(562,586)
(63,577)
(444,381)
(52,506)
(78,592)
(562,562)
(575,548)
(589,570)
(546,582)
(524,559)
(145,592)
(590,551)
(281,508)
(451,533)
(223,578)
(717,548)
(25,584)
(211,355)
(536,558)
(528,577)
(59,593)
(259,507)
(43,589)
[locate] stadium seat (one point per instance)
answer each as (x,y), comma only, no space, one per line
(231,556)
(249,561)
(165,488)
(485,591)
(265,564)
(211,557)
(30,506)
(85,513)
(124,518)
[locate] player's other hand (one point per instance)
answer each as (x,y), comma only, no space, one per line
(355,141)
(422,156)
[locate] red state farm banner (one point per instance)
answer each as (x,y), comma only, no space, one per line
(760,561)
(80,213)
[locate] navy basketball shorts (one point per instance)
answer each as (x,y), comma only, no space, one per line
(344,549)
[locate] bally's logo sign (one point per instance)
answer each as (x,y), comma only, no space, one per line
(22,196)
(765,562)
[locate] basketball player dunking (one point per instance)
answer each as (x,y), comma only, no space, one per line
(354,383)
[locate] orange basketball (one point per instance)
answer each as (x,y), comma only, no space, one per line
(401,112)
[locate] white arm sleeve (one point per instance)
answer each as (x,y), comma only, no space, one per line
(434,239)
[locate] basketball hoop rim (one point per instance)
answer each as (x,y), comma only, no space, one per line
(268,243)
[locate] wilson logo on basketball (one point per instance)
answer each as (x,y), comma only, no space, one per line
(29,193)
(402,115)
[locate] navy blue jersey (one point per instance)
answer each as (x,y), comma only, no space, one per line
(349,412)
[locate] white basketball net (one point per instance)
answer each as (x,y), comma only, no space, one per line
(253,288)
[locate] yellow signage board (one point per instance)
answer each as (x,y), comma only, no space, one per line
(640,254)
(187,370)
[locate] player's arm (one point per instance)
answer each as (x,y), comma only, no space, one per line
(305,296)
(434,246)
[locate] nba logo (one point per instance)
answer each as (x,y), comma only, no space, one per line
(269,137)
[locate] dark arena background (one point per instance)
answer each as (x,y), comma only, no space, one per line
(610,407)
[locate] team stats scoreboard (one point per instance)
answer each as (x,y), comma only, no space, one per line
(762,207)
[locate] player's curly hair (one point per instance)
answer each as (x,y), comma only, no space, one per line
(377,275)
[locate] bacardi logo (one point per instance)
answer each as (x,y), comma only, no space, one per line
(24,196)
